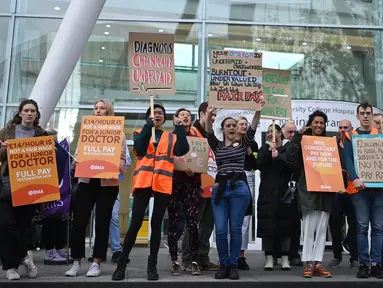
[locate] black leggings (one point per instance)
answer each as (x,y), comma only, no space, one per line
(140,203)
(54,233)
(15,223)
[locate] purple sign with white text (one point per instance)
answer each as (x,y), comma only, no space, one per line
(59,208)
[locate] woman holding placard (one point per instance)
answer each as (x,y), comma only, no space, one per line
(274,209)
(315,206)
(153,177)
(102,193)
(186,195)
(230,195)
(16,221)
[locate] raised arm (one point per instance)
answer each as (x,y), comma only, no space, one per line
(249,136)
(213,141)
(255,121)
(209,119)
(182,145)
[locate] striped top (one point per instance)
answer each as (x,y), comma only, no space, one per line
(230,159)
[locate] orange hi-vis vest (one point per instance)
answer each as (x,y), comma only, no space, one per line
(155,169)
(350,187)
(195,132)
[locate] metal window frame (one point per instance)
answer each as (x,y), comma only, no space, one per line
(7,74)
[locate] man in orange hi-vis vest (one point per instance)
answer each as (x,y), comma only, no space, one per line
(368,202)
(153,176)
(205,210)
(342,206)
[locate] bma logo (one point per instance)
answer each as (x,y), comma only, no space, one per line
(35,192)
(96,167)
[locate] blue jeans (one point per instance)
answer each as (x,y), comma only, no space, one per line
(114,228)
(368,206)
(231,208)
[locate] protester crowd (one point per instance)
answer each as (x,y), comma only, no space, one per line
(284,204)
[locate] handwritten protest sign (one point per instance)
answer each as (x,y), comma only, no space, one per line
(277,94)
(236,79)
(151,63)
(322,164)
(196,159)
(33,171)
(368,159)
(99,148)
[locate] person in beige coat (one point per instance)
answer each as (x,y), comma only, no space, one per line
(102,193)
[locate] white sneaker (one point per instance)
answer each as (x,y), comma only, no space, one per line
(30,265)
(73,272)
(12,274)
(94,270)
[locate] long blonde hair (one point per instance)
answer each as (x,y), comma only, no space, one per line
(378,119)
(108,105)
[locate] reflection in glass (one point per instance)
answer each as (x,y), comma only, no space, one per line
(4,38)
(103,68)
(43,7)
(5,6)
(331,64)
(342,12)
(120,9)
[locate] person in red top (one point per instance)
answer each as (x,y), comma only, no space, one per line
(186,195)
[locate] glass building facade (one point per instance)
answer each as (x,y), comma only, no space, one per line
(333,48)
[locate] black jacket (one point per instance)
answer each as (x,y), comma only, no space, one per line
(274,217)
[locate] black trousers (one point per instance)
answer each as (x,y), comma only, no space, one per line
(140,203)
(14,233)
(54,232)
(87,196)
(342,206)
(295,235)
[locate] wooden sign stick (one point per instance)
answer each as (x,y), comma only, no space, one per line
(152,115)
(143,91)
(273,131)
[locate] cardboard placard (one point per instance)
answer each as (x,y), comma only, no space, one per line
(208,179)
(99,147)
(322,164)
(368,159)
(33,170)
(276,89)
(235,79)
(151,64)
(196,159)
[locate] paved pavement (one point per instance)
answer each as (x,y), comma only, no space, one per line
(137,270)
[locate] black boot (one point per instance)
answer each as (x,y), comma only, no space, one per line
(233,272)
(222,273)
(152,268)
(119,274)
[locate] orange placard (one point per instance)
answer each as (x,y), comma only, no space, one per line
(33,171)
(322,164)
(99,147)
